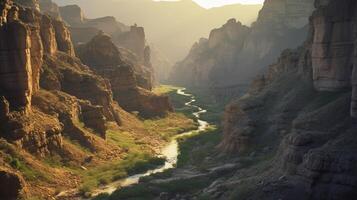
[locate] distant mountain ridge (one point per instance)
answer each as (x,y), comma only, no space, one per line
(235,54)
(172,26)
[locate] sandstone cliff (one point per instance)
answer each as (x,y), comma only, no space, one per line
(132,39)
(130,88)
(300,113)
(235,54)
(52,106)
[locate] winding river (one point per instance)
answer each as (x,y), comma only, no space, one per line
(170,152)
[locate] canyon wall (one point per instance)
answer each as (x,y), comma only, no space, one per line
(232,57)
(54,106)
(131,40)
(126,79)
(302,112)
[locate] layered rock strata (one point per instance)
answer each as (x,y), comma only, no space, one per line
(303,111)
(104,58)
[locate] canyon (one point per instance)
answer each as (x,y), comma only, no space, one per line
(235,53)
(81,109)
(54,106)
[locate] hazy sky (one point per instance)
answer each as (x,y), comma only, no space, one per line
(216,3)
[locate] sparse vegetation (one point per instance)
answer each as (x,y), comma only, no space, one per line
(196,148)
(115,170)
(173,124)
(17,162)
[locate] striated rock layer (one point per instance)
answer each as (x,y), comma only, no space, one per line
(128,87)
(302,110)
(130,40)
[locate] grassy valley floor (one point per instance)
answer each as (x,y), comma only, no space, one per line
(198,156)
(128,149)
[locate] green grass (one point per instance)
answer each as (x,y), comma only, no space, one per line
(173,124)
(115,170)
(16,161)
(178,101)
(165,89)
(196,148)
(135,161)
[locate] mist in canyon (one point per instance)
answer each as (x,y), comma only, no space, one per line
(173,100)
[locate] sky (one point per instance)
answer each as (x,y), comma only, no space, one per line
(217,3)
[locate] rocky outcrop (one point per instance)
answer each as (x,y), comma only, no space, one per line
(307,125)
(16,71)
(333,47)
(63,38)
(131,41)
(79,25)
(235,54)
(33,19)
(72,14)
(33,4)
(93,117)
(104,58)
(48,35)
(47,7)
(68,74)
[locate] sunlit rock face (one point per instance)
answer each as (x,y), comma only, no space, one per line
(63,38)
(245,53)
(104,57)
(48,35)
(36,53)
(16,67)
(131,40)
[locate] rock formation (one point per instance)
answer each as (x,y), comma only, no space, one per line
(235,54)
(131,40)
(72,14)
(49,8)
(125,78)
(16,70)
(300,110)
(55,108)
(63,38)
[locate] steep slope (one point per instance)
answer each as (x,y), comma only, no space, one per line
(232,57)
(131,40)
(54,110)
(300,113)
(130,88)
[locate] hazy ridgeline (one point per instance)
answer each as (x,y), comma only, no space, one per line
(172,26)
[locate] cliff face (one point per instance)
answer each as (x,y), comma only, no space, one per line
(302,110)
(244,51)
(131,40)
(50,102)
(126,79)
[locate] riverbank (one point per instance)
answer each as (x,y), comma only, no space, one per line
(197,160)
(139,154)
